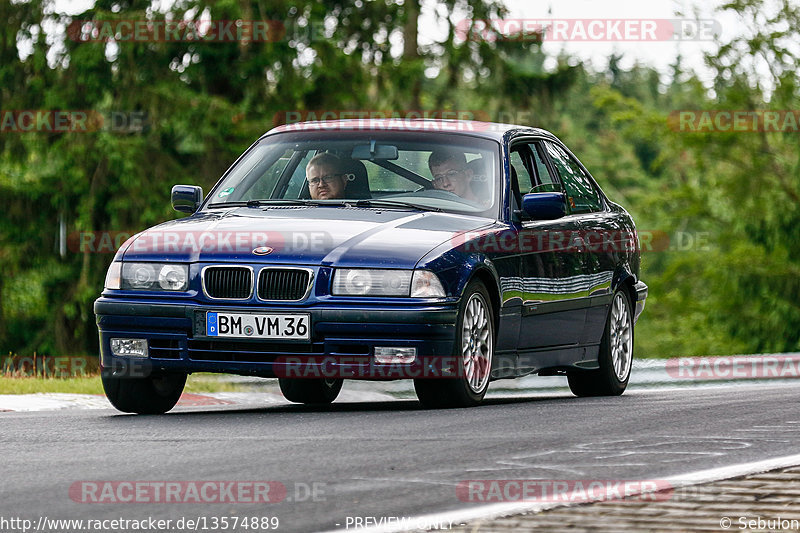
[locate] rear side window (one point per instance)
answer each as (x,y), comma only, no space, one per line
(582,196)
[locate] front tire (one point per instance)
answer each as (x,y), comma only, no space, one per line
(472,354)
(616,354)
(311,391)
(152,395)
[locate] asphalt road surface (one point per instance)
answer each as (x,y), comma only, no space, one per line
(376,460)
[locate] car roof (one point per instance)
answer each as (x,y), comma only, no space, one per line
(488,130)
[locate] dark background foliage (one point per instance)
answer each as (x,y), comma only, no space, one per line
(733,287)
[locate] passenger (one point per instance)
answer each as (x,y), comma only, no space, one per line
(451,173)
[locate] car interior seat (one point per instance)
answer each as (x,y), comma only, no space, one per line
(479,183)
(358,187)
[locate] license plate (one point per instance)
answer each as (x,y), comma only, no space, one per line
(257,326)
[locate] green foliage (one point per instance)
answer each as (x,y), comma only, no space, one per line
(736,194)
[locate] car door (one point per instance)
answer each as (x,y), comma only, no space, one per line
(601,229)
(553,316)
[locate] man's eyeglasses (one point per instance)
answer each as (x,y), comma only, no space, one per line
(315,182)
(450,175)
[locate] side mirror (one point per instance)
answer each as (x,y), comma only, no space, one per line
(186,198)
(544,205)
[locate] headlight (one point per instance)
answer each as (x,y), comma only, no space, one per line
(374,282)
(173,277)
(426,285)
(113,276)
(138,276)
(368,282)
(155,276)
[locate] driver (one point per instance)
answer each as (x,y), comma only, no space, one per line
(451,173)
(327,178)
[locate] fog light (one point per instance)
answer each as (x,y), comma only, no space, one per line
(129,347)
(395,354)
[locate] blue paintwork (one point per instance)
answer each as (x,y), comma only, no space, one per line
(544,205)
(308,235)
(186,198)
(559,330)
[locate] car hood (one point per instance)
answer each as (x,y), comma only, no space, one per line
(310,235)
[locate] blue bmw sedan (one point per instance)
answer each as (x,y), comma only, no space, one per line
(453,253)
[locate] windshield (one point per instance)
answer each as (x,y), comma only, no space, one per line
(418,170)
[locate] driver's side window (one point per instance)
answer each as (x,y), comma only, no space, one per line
(545,181)
(524,179)
(521,178)
(297,183)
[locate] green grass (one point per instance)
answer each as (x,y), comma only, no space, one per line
(31,385)
(197,383)
(81,375)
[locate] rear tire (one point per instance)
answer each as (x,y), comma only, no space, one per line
(616,354)
(311,391)
(472,354)
(152,395)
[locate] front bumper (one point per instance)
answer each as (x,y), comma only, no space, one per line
(343,339)
(641,296)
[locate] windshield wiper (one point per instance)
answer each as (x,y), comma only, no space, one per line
(334,203)
(257,203)
(394,203)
